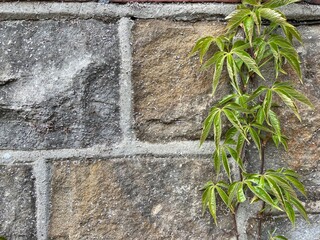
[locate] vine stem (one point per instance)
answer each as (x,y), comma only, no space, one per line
(235,221)
(260,213)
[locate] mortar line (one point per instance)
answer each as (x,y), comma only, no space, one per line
(189,11)
(42,187)
(122,149)
(125,91)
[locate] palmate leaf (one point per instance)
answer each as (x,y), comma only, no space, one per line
(293,60)
(236,18)
(290,31)
(248,61)
(207,125)
(202,45)
(297,204)
(289,90)
(272,15)
(263,195)
(209,198)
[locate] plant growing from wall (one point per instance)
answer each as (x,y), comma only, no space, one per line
(257,33)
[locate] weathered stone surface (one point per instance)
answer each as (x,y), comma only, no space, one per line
(58,84)
(282,226)
(136,198)
(171,95)
(17,203)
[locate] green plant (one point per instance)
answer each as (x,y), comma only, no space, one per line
(257,33)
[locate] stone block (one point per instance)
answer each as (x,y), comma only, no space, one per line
(135,198)
(282,226)
(58,83)
(17,203)
(171,96)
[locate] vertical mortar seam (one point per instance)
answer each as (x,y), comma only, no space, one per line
(42,176)
(125,91)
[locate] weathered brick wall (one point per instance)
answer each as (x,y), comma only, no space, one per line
(100,116)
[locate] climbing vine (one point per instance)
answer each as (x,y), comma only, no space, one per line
(257,33)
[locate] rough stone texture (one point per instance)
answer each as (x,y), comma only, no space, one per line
(58,84)
(17,203)
(171,96)
(282,225)
(136,198)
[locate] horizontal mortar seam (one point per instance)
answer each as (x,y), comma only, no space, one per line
(190,11)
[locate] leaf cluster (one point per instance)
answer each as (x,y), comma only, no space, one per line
(251,108)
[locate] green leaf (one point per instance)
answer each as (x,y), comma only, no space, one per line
(225,163)
(213,60)
(234,154)
(251,2)
(230,67)
(271,15)
(212,204)
(267,104)
(205,199)
(263,195)
(240,194)
(279,237)
(275,189)
(240,143)
(297,204)
(217,74)
(289,211)
(2,238)
(233,119)
(289,102)
(232,191)
(224,197)
(293,60)
(257,93)
(202,45)
(275,123)
(248,61)
(283,183)
(256,139)
(217,130)
(236,18)
(216,160)
(226,99)
(297,184)
(237,108)
(290,31)
(261,127)
(290,91)
(230,133)
(207,125)
(248,25)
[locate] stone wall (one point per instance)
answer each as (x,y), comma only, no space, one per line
(100,116)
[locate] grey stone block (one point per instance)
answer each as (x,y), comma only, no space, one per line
(17,203)
(58,84)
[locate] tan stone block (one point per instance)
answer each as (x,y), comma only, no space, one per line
(171,95)
(136,198)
